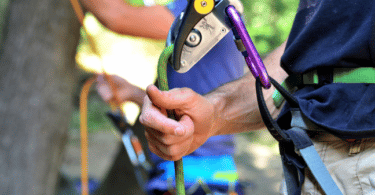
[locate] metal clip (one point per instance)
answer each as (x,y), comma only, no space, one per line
(252,58)
(132,144)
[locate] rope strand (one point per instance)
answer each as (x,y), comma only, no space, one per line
(114,103)
(163,85)
(84,135)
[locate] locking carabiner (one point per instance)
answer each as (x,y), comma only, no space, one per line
(252,58)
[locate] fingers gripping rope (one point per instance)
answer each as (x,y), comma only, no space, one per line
(163,85)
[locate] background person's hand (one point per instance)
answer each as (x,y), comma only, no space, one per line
(172,139)
(112,88)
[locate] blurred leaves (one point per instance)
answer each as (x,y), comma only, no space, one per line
(96,115)
(3,10)
(269,22)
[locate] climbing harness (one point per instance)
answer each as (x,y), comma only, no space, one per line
(199,28)
(297,138)
(292,140)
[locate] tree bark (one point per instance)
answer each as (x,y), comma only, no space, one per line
(37,80)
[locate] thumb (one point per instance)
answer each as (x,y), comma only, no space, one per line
(173,99)
(188,126)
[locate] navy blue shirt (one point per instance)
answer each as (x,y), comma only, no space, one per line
(334,33)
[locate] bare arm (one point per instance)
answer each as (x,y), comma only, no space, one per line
(112,88)
(150,22)
(236,106)
(232,108)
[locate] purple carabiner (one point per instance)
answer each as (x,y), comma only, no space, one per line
(253,60)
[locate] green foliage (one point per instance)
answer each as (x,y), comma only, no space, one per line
(269,22)
(3,8)
(96,116)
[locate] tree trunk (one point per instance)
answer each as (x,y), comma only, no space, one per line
(37,79)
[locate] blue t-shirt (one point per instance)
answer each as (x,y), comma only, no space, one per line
(224,63)
(334,33)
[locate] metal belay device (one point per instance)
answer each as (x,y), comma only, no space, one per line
(193,34)
(202,25)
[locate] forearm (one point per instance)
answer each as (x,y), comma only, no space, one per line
(150,22)
(236,106)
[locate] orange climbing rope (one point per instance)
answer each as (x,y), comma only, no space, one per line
(114,103)
(78,11)
(83,113)
(84,135)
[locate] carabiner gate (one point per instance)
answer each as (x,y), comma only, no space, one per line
(252,58)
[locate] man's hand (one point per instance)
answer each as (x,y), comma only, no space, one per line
(172,139)
(115,89)
(231,108)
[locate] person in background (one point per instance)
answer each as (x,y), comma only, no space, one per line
(221,65)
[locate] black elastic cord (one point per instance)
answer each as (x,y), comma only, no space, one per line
(293,102)
(270,123)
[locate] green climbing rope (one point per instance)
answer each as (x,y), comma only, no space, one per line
(163,85)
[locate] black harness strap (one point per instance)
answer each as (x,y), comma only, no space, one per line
(271,124)
(291,140)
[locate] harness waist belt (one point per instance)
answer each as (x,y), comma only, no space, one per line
(325,76)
